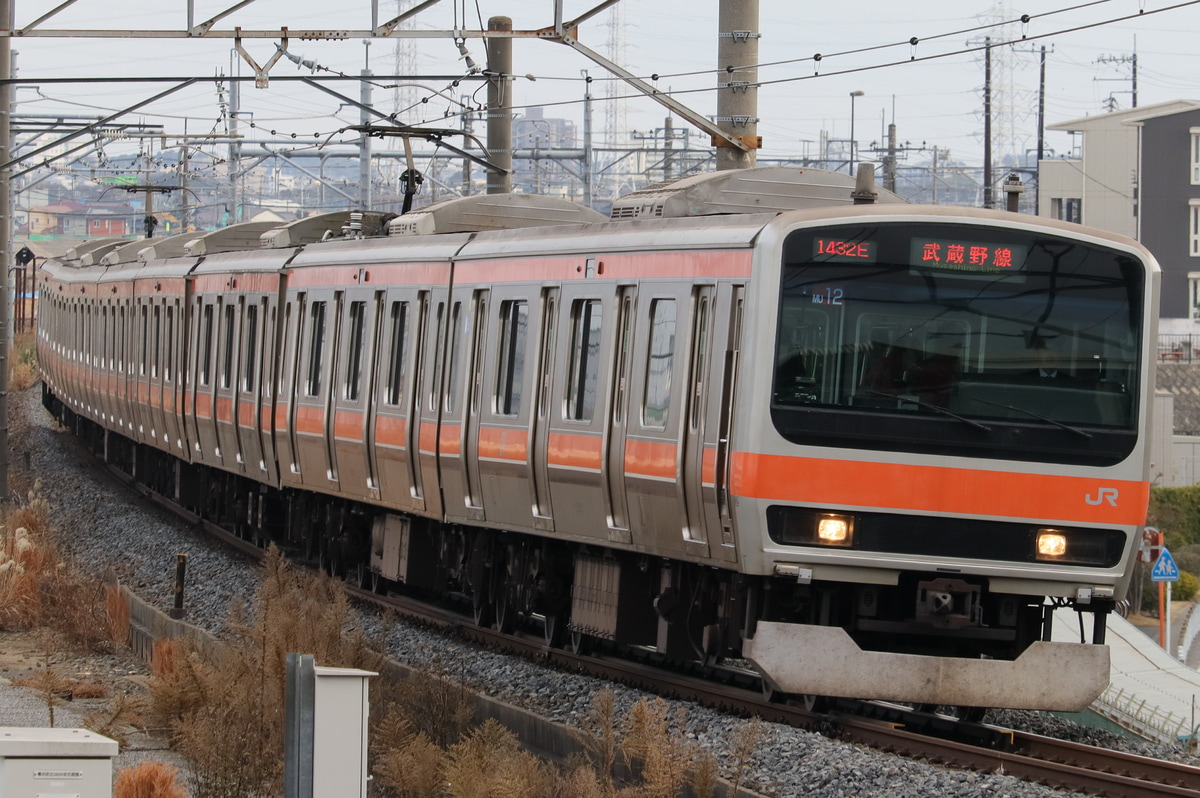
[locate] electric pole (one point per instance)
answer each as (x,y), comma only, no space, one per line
(737,82)
(6,19)
(987,122)
(499,113)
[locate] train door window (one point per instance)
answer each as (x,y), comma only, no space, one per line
(659,364)
(105,340)
(316,349)
(358,316)
(170,343)
(455,358)
(206,341)
(623,344)
(269,364)
(287,347)
(156,359)
(121,339)
(437,357)
(514,325)
(477,350)
(145,340)
(227,360)
(251,348)
(547,353)
(701,363)
(396,353)
(584,372)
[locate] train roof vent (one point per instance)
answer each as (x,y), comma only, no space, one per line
(78,251)
(327,225)
(89,253)
(491,212)
(247,235)
(169,247)
(769,189)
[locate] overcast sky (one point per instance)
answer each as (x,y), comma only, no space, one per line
(936,102)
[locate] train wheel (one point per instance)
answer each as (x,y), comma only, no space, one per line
(376,582)
(552,629)
(482,610)
(506,614)
(771,695)
(814,703)
(580,643)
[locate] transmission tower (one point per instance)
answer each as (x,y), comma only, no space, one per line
(1012,106)
(616,118)
(405,63)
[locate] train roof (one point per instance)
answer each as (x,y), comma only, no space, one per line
(738,191)
(322,226)
(491,212)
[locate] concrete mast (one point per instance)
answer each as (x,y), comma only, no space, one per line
(499,112)
(737,82)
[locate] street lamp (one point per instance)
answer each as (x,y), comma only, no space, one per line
(853,95)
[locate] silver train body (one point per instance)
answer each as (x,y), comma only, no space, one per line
(868,447)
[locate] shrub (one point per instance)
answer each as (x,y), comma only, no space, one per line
(148,780)
(1185,589)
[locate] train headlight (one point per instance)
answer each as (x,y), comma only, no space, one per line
(1051,544)
(835,530)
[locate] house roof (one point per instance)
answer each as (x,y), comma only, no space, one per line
(1129,116)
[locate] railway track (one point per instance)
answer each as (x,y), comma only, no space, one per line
(894,729)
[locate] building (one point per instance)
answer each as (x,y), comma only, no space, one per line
(1137,173)
(81,220)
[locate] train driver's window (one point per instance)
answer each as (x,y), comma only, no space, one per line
(514,325)
(582,378)
(659,363)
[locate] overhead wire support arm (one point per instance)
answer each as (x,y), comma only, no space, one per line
(676,107)
(204,27)
(386,28)
(46,16)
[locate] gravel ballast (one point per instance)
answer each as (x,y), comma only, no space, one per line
(111,529)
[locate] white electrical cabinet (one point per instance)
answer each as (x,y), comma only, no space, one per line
(55,763)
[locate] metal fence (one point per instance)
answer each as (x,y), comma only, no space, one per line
(1183,348)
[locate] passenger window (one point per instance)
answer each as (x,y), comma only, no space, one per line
(155,361)
(316,349)
(145,339)
(397,356)
(514,323)
(170,343)
(358,313)
(582,378)
(455,358)
(701,365)
(437,357)
(251,348)
(659,364)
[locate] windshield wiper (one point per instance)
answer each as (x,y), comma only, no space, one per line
(1038,416)
(934,408)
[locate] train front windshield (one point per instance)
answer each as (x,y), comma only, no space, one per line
(958,339)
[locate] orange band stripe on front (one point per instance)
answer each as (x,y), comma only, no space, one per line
(937,489)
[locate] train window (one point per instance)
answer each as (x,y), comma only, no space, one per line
(206,339)
(701,352)
(145,340)
(659,364)
(514,324)
(269,364)
(105,340)
(584,373)
(547,355)
(251,348)
(227,362)
(396,353)
(154,362)
(455,358)
(358,316)
(121,340)
(316,348)
(170,343)
(622,359)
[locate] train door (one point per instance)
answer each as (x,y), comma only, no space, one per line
(313,428)
(615,433)
(225,389)
(286,395)
(652,463)
(458,428)
(395,422)
(506,408)
(175,376)
(431,375)
(271,359)
(699,433)
(251,384)
(543,515)
(575,449)
(351,395)
(728,326)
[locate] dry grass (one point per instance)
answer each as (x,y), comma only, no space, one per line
(23,371)
(148,780)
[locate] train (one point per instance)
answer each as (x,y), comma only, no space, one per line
(767,417)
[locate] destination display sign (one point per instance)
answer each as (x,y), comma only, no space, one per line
(967,256)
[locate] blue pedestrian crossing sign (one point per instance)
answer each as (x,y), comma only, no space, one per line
(1165,569)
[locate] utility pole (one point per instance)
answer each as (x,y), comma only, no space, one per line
(6,19)
(235,153)
(987,122)
(499,113)
(889,169)
(587,139)
(468,129)
(1123,59)
(364,144)
(737,82)
(668,146)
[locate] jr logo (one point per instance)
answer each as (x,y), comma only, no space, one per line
(1102,495)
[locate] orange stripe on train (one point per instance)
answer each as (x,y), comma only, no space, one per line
(499,443)
(651,459)
(574,451)
(937,489)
